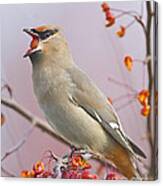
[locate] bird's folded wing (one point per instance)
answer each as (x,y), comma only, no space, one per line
(86,95)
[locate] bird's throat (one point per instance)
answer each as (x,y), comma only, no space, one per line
(33,45)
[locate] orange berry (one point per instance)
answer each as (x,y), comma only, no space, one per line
(76,161)
(27,174)
(24,173)
(128,61)
(32,173)
(38,167)
(80,162)
(145,110)
(121,32)
(143,97)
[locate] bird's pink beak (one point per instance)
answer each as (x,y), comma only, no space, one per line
(34,43)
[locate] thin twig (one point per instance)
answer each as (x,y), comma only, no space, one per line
(122,84)
(125,104)
(9,174)
(52,155)
(123,97)
(139,61)
(130,24)
(141,23)
(17,146)
(131,13)
(8,88)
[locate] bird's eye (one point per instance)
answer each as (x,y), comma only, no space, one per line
(47,33)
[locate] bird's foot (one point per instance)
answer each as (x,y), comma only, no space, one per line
(73,150)
(77,150)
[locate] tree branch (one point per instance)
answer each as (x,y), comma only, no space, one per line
(6,172)
(17,146)
(150,124)
(37,122)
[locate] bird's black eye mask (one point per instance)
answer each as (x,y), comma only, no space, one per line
(45,34)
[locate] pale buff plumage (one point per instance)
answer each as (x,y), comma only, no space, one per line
(74,106)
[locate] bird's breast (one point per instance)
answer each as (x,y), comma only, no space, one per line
(51,84)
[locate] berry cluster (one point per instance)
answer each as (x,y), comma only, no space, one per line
(142,97)
(38,171)
(73,166)
(78,168)
(110,19)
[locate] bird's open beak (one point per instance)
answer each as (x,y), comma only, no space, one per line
(30,32)
(34,43)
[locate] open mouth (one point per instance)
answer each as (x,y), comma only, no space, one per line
(34,43)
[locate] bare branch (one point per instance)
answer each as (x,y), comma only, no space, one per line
(8,88)
(51,155)
(151,128)
(42,125)
(125,104)
(122,84)
(9,174)
(133,14)
(130,13)
(141,23)
(17,146)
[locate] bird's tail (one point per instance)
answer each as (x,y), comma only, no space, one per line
(124,162)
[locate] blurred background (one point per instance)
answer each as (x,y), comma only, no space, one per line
(95,48)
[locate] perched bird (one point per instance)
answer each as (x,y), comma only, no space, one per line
(76,109)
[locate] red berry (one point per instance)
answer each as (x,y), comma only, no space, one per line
(88,175)
(105,7)
(46,174)
(38,167)
(108,15)
(111,176)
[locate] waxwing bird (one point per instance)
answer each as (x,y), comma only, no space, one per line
(76,109)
